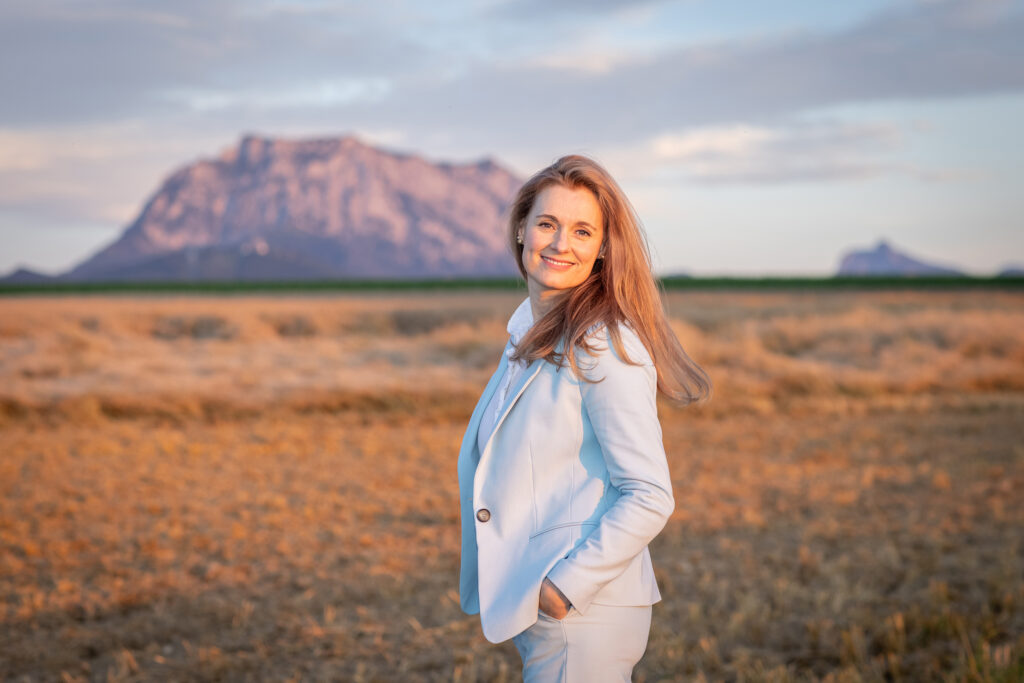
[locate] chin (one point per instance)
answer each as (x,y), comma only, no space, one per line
(554,280)
(561,283)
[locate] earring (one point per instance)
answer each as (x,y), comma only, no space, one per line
(519,239)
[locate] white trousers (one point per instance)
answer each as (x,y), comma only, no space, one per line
(602,645)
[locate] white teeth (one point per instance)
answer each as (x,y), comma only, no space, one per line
(560,263)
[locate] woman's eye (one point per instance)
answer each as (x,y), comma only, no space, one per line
(546,224)
(583,233)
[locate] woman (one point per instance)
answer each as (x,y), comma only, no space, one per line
(563,479)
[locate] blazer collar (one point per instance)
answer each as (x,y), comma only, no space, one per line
(521,321)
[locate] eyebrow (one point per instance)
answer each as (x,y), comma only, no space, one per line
(548,215)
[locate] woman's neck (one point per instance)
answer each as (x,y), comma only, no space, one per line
(542,302)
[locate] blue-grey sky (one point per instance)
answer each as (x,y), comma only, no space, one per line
(752,137)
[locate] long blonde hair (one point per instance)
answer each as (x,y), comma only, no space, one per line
(621,288)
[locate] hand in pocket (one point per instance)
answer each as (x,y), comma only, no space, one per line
(552,601)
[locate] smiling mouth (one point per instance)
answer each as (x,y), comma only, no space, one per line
(556,262)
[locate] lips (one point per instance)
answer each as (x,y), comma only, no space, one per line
(556,262)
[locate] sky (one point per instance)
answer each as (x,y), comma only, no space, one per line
(753,138)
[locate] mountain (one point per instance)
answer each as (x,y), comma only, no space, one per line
(273,209)
(1011,270)
(25,276)
(884,260)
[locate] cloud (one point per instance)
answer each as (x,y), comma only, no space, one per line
(805,151)
(566,8)
(932,51)
(70,63)
(540,105)
(331,92)
(364,66)
(92,173)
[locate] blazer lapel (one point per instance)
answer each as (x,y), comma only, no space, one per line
(469,440)
(515,391)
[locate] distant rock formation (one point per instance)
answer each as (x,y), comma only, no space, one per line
(26,276)
(1011,270)
(884,260)
(315,209)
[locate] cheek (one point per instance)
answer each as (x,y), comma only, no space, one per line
(533,247)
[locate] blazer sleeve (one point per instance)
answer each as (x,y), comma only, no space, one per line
(623,412)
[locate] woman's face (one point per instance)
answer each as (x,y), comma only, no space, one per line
(561,239)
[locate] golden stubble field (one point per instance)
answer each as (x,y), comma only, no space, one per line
(264,488)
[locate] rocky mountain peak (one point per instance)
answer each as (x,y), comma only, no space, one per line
(882,259)
(337,207)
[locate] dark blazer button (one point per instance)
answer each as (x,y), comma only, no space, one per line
(483,514)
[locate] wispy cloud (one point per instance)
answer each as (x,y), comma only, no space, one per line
(67,66)
(90,172)
(925,52)
(325,93)
(811,151)
(72,63)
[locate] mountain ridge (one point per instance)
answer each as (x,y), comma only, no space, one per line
(270,208)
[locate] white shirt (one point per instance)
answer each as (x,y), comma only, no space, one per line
(518,325)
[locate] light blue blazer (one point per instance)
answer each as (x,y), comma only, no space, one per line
(572,484)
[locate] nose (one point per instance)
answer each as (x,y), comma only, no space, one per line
(561,241)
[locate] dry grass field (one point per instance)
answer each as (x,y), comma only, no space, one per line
(250,487)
